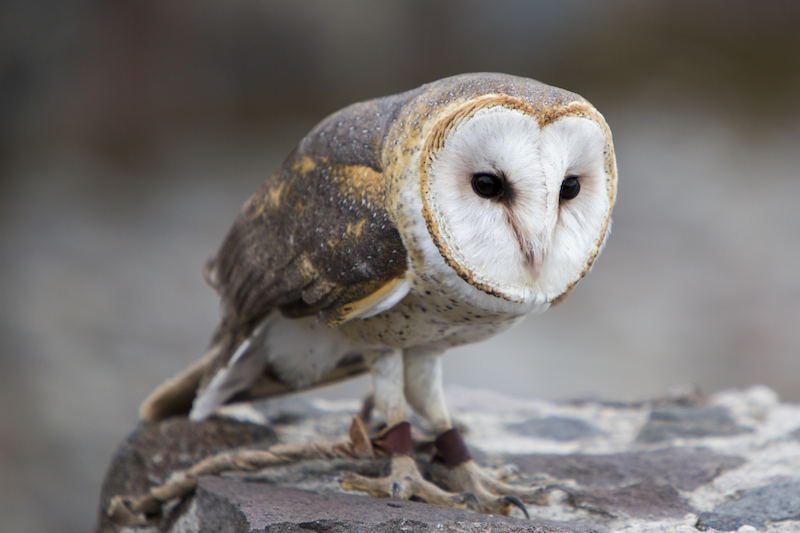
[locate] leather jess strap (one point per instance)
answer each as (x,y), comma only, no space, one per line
(451,450)
(396,440)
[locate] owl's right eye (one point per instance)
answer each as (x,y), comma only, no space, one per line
(487,185)
(570,188)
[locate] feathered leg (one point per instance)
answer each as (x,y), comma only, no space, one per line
(453,464)
(405,480)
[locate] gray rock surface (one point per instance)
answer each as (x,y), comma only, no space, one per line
(685,468)
(772,503)
(250,507)
(554,428)
(668,422)
(152,452)
(730,462)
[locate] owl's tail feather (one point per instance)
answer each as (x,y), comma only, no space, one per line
(175,396)
(234,369)
(229,368)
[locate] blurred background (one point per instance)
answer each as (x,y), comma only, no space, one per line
(131,132)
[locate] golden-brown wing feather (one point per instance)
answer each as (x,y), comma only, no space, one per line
(315,239)
(312,240)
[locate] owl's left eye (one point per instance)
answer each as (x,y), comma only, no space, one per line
(570,188)
(487,185)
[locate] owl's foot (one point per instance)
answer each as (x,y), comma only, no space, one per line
(493,496)
(454,467)
(406,482)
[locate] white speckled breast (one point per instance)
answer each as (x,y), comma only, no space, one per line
(436,315)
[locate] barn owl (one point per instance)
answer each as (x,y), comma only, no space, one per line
(400,227)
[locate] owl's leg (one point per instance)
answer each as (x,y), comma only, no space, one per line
(405,481)
(453,463)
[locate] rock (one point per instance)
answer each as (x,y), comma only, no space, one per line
(647,499)
(554,428)
(684,468)
(678,421)
(773,503)
(723,463)
(153,451)
(239,507)
(635,484)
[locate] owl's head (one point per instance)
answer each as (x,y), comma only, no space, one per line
(518,197)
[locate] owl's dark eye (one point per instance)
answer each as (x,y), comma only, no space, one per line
(487,185)
(570,188)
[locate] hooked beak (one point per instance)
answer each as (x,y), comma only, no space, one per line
(532,250)
(533,260)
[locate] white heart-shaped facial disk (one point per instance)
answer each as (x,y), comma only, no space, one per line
(528,243)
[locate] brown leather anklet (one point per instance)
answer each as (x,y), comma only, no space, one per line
(451,449)
(396,440)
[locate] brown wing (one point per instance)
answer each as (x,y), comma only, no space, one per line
(315,239)
(312,240)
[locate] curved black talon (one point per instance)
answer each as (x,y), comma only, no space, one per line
(516,502)
(396,488)
(470,499)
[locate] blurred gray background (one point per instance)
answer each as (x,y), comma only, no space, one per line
(131,132)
